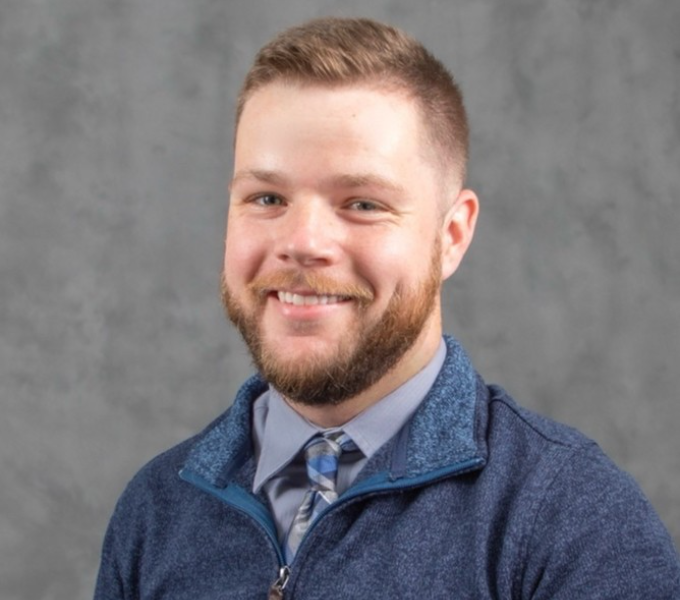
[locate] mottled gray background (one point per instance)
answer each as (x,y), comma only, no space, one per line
(115,120)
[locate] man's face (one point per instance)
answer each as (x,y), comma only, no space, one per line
(333,251)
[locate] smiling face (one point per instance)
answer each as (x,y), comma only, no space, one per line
(337,241)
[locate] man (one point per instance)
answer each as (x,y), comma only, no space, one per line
(367,459)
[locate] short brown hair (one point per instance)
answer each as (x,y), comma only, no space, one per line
(334,51)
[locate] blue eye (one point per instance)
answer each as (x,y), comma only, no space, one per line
(268,200)
(364,205)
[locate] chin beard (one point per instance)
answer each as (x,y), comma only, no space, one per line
(364,355)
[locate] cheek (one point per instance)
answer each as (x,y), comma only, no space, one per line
(390,264)
(242,255)
(404,253)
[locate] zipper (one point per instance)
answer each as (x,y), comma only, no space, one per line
(236,497)
(382,482)
(276,589)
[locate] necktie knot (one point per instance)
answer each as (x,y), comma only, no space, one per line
(322,454)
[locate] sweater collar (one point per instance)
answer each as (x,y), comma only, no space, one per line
(444,431)
(448,428)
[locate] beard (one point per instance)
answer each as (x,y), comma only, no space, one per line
(366,352)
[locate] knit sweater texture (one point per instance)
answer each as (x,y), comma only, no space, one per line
(475,498)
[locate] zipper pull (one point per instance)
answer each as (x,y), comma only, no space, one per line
(276,589)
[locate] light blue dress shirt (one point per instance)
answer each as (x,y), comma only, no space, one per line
(280,434)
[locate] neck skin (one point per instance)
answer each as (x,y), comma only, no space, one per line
(413,361)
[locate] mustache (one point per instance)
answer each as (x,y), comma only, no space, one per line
(319,284)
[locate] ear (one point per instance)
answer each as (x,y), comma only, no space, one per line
(458,228)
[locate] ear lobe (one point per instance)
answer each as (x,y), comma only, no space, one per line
(458,229)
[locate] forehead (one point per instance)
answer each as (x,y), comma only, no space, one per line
(351,102)
(310,89)
(353,121)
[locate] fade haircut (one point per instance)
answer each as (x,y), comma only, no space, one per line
(337,52)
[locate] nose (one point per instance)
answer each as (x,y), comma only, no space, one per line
(308,234)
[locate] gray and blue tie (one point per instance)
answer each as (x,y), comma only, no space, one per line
(322,454)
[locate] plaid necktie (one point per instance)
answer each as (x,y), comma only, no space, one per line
(322,453)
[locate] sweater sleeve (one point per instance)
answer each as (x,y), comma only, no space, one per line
(109,583)
(124,543)
(597,537)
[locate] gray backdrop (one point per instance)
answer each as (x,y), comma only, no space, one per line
(115,142)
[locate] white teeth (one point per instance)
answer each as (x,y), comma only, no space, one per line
(299,300)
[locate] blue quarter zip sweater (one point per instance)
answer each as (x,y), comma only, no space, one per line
(474,498)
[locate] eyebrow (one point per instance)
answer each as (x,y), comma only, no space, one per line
(345,180)
(262,175)
(358,180)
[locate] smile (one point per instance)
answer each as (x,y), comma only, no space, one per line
(308,300)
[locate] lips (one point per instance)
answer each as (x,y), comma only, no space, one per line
(309,299)
(309,288)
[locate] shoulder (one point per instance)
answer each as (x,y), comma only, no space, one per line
(157,483)
(557,463)
(539,445)
(537,428)
(588,529)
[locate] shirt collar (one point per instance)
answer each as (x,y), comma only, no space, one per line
(280,433)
